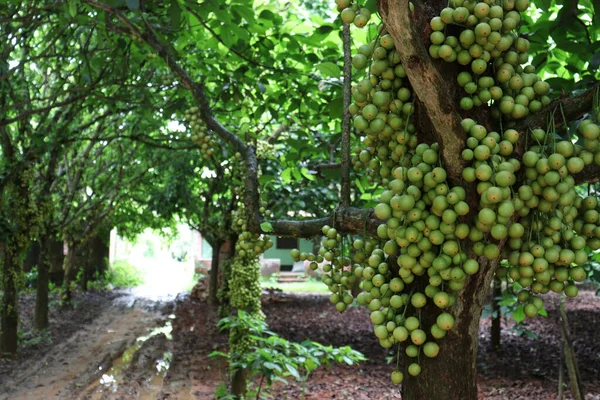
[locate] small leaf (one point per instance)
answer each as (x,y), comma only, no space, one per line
(293,371)
(271,365)
(174,14)
(329,69)
(266,227)
(73,8)
(519,314)
(133,4)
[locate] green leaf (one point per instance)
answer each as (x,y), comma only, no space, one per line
(519,315)
(175,14)
(133,4)
(329,69)
(307,175)
(266,227)
(270,365)
(73,8)
(293,371)
(286,175)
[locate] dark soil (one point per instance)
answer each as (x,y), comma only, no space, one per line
(524,368)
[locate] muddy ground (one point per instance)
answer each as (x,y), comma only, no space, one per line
(114,346)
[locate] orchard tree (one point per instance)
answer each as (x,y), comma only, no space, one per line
(472,166)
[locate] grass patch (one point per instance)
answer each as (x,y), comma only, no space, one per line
(311,285)
(122,274)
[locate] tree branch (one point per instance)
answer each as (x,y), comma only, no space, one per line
(572,107)
(345,195)
(427,83)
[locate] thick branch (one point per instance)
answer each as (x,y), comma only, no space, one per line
(326,167)
(590,174)
(427,82)
(273,138)
(349,220)
(345,200)
(572,107)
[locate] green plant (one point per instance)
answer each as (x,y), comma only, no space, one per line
(31,278)
(120,274)
(273,358)
(34,338)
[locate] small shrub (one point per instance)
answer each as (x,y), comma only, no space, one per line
(273,358)
(119,275)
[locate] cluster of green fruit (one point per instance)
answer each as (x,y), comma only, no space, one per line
(337,271)
(543,251)
(351,12)
(382,110)
(590,131)
(483,34)
(199,132)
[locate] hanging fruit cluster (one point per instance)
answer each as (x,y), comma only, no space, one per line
(199,132)
(483,36)
(528,214)
(352,13)
(338,274)
(244,272)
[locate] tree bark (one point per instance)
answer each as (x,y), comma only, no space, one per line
(99,252)
(41,298)
(496,315)
(569,353)
(69,268)
(9,312)
(453,373)
(32,257)
(213,283)
(238,383)
(88,268)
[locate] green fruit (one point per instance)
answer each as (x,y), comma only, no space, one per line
(397,377)
(418,337)
(411,323)
(359,61)
(431,349)
(445,321)
(414,369)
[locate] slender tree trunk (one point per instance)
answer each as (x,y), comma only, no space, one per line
(214,273)
(496,315)
(9,311)
(569,353)
(41,298)
(238,383)
(69,267)
(88,268)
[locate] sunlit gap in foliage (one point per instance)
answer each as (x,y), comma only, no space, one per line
(164,260)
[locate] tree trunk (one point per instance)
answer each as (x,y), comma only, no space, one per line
(9,311)
(99,253)
(496,315)
(32,257)
(453,373)
(69,268)
(41,298)
(569,353)
(238,383)
(87,268)
(214,273)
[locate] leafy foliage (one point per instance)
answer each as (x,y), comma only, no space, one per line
(274,358)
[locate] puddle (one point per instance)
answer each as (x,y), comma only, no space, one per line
(112,379)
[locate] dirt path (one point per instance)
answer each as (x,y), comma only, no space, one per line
(70,366)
